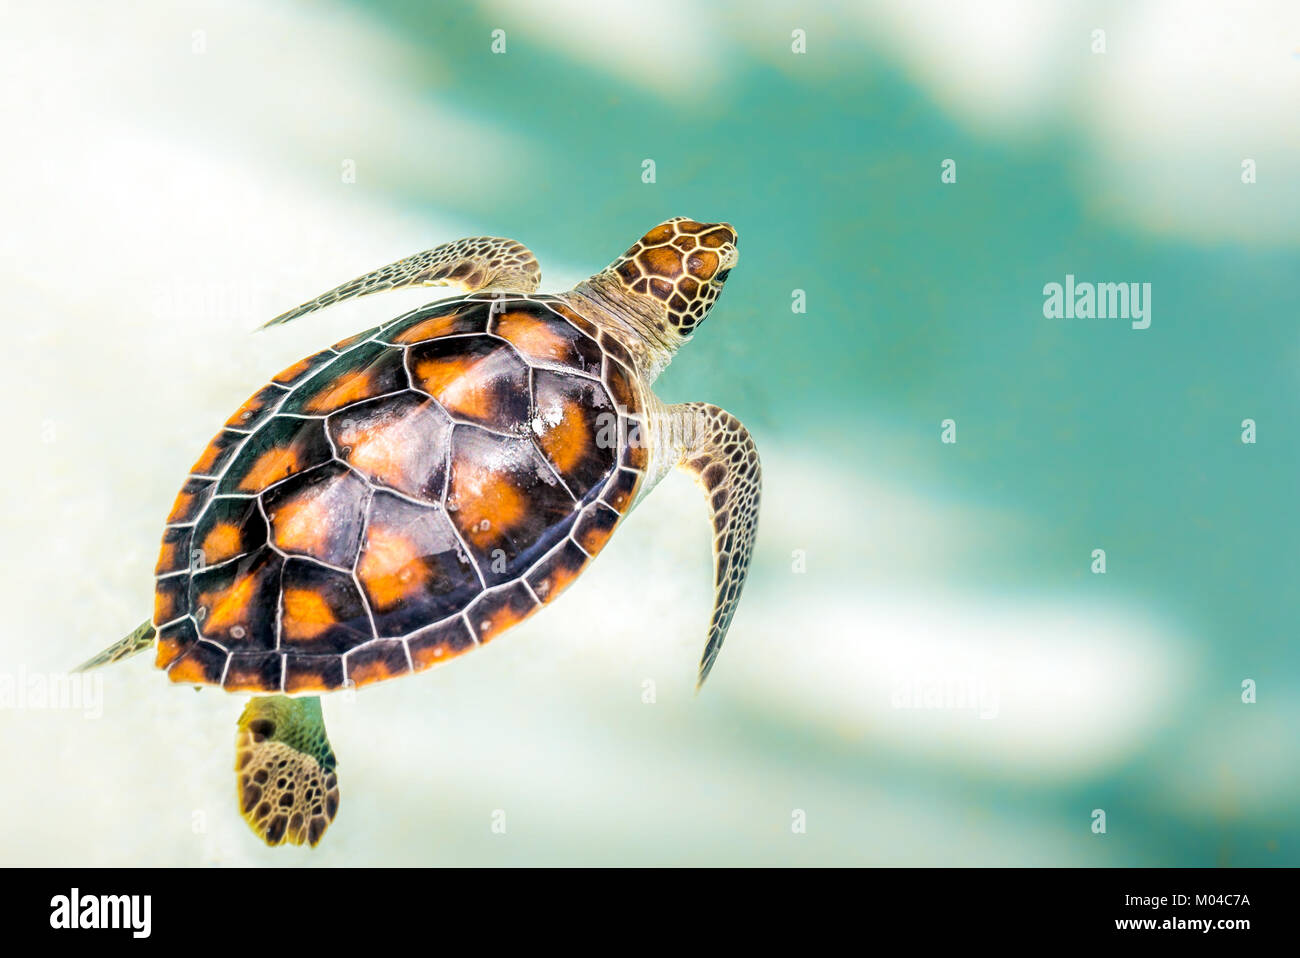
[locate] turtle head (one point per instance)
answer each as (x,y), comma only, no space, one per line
(681,264)
(664,285)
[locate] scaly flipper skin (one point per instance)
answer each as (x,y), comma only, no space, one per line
(288,791)
(473,264)
(720,454)
(139,640)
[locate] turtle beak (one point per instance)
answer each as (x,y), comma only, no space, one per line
(734,241)
(730,254)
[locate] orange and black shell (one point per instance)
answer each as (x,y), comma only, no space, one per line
(399,498)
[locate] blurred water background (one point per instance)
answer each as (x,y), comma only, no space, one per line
(924,669)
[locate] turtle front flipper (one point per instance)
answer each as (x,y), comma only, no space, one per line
(139,640)
(718,451)
(471,265)
(288,790)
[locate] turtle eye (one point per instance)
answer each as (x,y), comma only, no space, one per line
(722,276)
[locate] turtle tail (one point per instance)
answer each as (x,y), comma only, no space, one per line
(139,640)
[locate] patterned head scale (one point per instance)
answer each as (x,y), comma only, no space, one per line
(682,264)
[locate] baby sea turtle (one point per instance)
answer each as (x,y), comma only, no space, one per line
(413,491)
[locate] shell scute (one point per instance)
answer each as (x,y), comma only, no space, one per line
(412,566)
(191,499)
(235,604)
(377,661)
(229,527)
(292,375)
(543,337)
(312,673)
(620,489)
(574,319)
(174,641)
(498,609)
(321,610)
(253,671)
(477,379)
(398,443)
(343,345)
(369,370)
(595,526)
(319,514)
(434,322)
(257,408)
(174,555)
(557,570)
(201,664)
(218,453)
(577,428)
(619,382)
(171,596)
(634,454)
(439,642)
(505,501)
(282,447)
(616,350)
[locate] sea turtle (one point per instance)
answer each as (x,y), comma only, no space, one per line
(411,492)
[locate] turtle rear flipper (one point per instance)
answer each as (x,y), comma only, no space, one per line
(139,640)
(288,790)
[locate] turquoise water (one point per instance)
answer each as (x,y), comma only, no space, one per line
(1119,692)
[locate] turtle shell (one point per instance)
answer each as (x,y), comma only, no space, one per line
(399,498)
